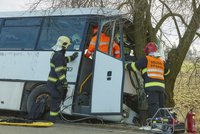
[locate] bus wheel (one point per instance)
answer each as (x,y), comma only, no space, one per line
(38,94)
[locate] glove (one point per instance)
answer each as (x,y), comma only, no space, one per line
(74,55)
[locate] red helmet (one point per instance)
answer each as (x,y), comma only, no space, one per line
(95,28)
(150,47)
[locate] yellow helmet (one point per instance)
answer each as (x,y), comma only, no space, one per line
(63,41)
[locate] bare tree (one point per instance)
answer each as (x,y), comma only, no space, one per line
(150,19)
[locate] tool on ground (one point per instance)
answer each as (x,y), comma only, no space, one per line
(167,120)
(25,122)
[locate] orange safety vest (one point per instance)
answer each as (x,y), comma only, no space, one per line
(155,68)
(116,50)
(103,46)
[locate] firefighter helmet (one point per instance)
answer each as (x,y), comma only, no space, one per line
(63,41)
(117,39)
(150,47)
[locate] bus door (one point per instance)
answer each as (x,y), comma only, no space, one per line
(107,77)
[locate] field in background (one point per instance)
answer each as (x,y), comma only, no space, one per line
(187,90)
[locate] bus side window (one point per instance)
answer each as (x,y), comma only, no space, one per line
(19,34)
(90,35)
(116,50)
(54,27)
(110,30)
(1,20)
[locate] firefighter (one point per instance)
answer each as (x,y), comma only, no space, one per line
(103,44)
(57,80)
(126,44)
(153,71)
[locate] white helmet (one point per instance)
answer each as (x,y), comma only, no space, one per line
(62,42)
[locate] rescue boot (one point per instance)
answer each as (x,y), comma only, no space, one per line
(55,119)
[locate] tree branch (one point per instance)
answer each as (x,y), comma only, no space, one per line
(177,28)
(194,5)
(122,4)
(162,20)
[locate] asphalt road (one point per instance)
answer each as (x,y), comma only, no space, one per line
(72,128)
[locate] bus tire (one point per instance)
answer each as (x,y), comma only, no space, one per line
(37,94)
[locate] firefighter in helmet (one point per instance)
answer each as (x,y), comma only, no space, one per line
(153,71)
(103,44)
(126,44)
(57,80)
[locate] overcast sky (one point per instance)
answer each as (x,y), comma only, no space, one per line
(13,5)
(17,5)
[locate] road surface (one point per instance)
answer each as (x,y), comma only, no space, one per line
(72,128)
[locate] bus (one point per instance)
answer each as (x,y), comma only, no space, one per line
(98,86)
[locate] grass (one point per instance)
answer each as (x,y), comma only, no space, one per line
(187,90)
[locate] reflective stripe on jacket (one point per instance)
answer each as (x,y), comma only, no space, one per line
(153,84)
(103,46)
(116,50)
(58,67)
(149,83)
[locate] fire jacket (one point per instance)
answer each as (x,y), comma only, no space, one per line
(58,64)
(103,46)
(153,71)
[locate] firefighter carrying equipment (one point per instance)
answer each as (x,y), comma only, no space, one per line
(24,122)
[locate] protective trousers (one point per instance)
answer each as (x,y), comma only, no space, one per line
(155,101)
(57,95)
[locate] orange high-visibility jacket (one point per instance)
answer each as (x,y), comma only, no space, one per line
(155,68)
(116,50)
(103,46)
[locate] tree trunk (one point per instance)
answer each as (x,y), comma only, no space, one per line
(139,28)
(177,56)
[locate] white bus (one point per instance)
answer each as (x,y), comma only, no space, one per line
(97,87)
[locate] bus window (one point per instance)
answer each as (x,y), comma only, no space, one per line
(1,20)
(109,31)
(115,45)
(56,26)
(23,22)
(19,34)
